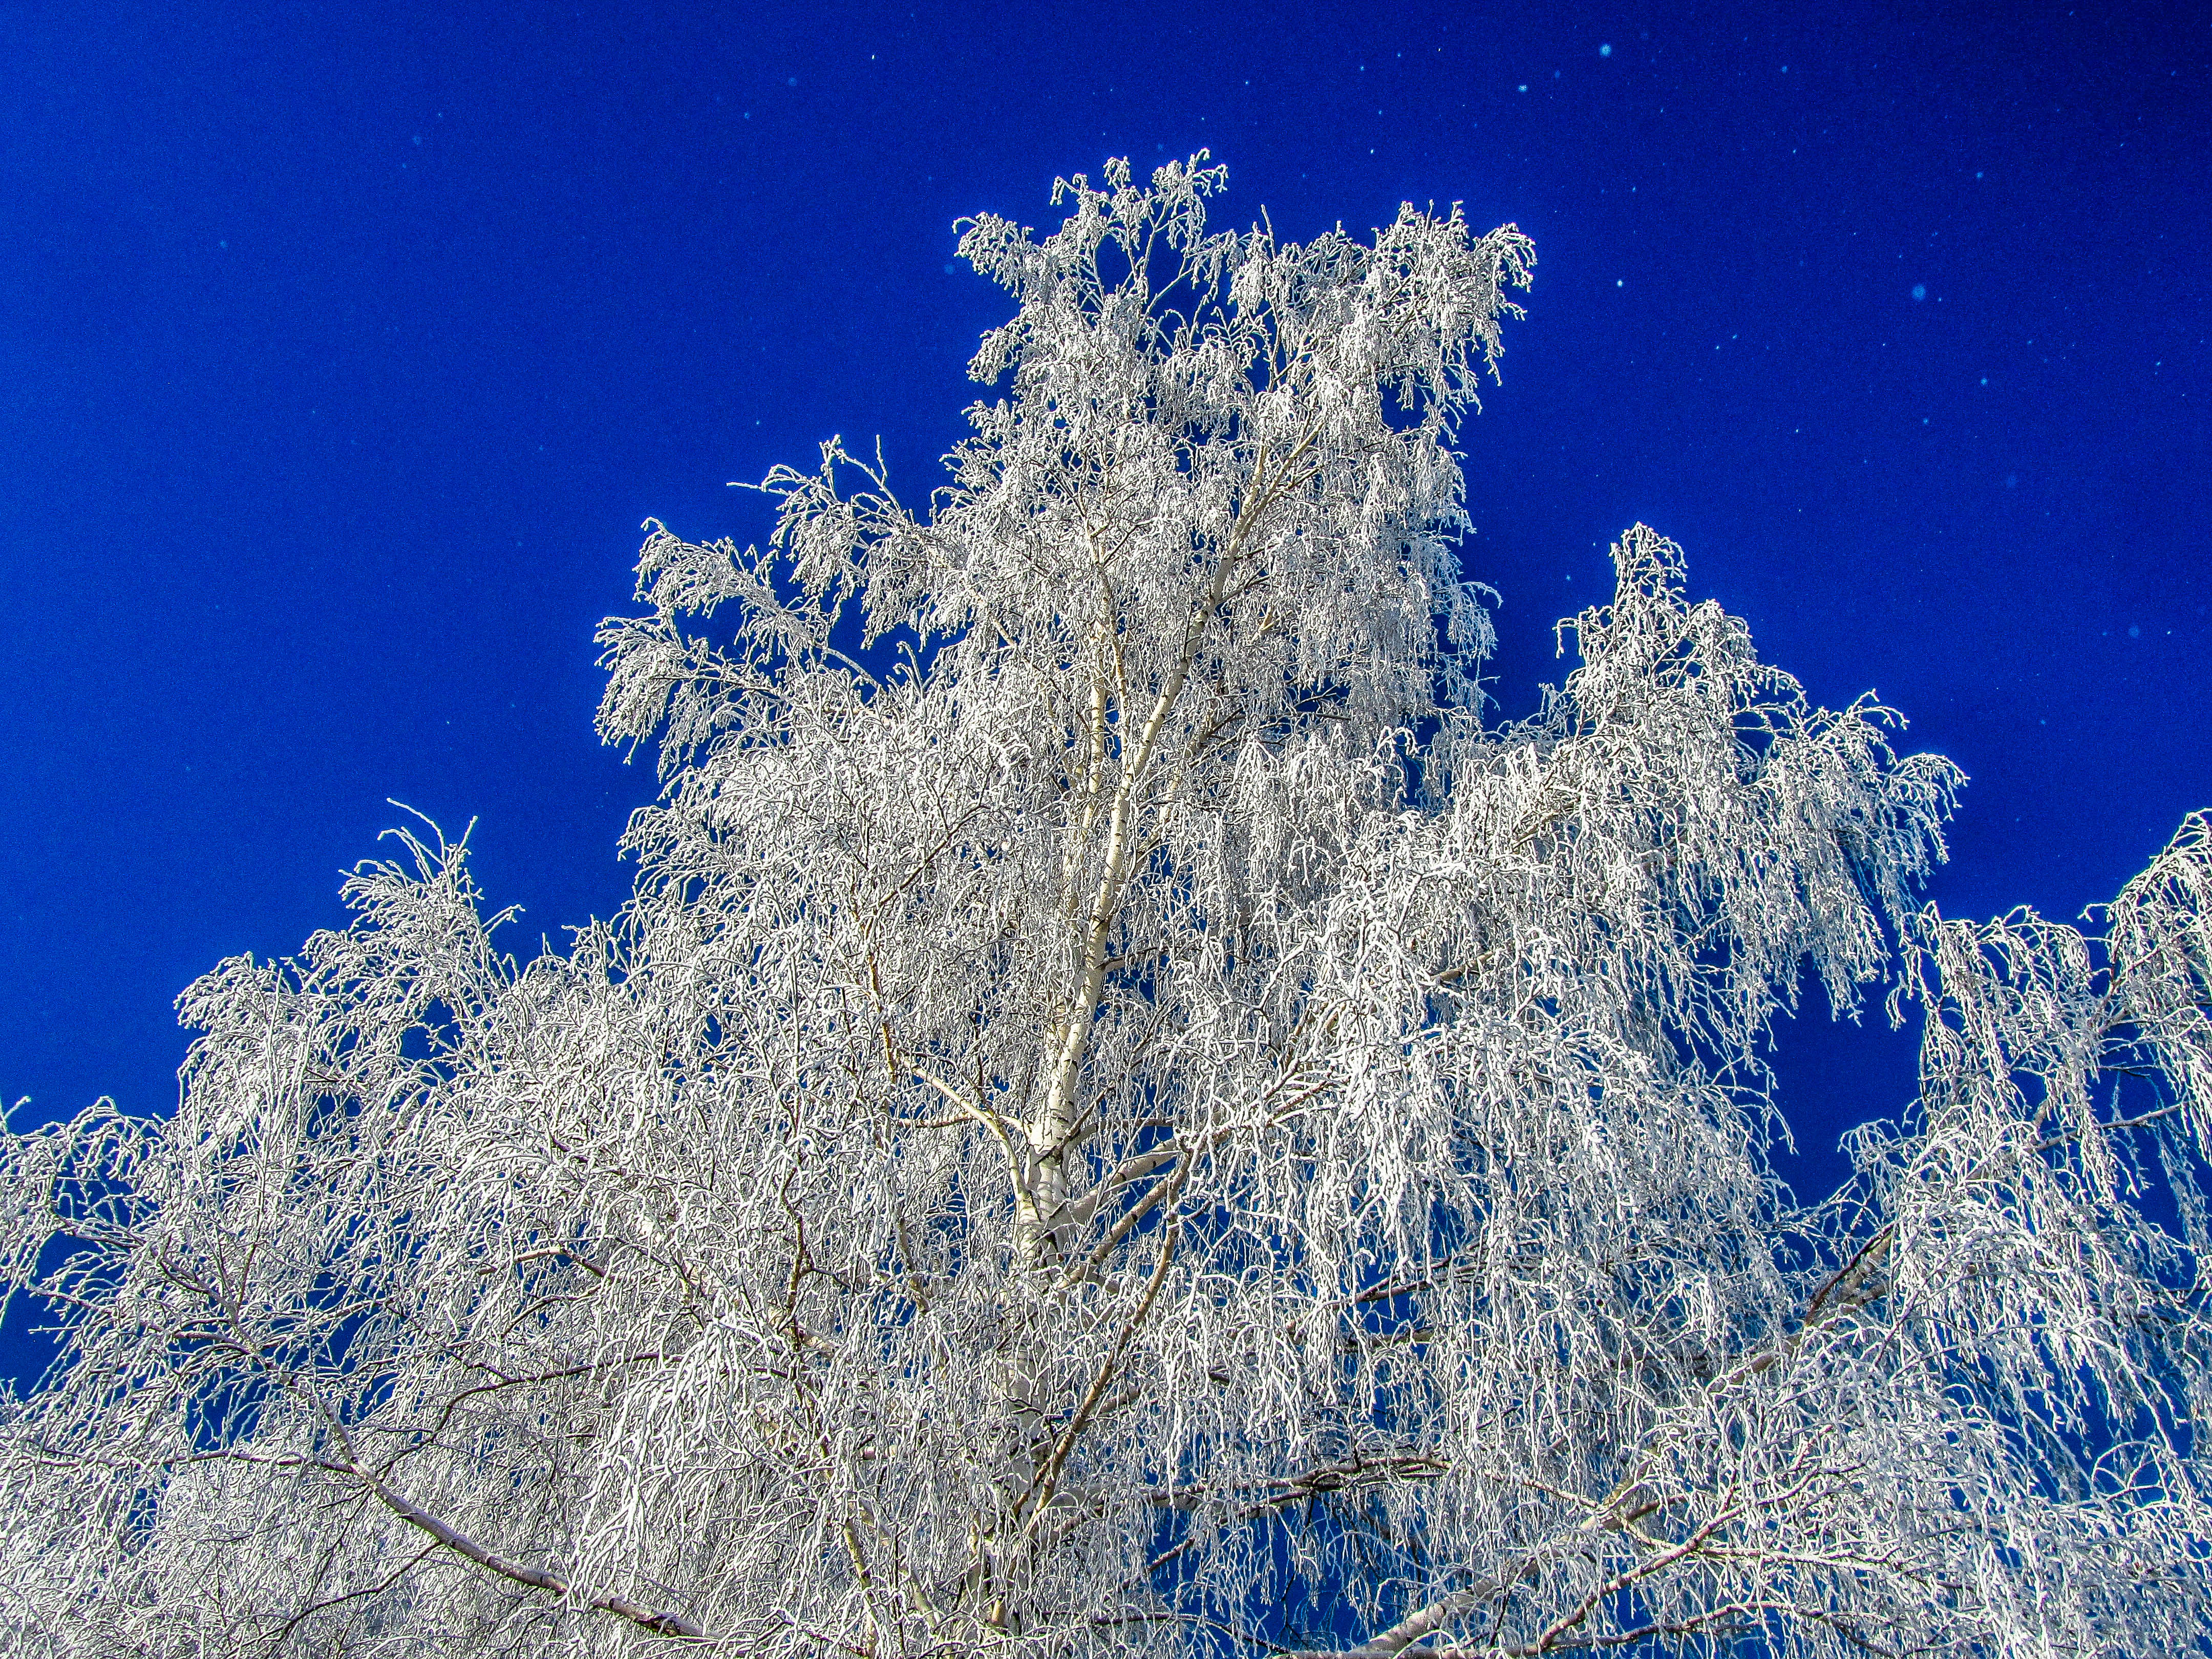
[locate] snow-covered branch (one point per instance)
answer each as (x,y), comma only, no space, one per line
(1130,1111)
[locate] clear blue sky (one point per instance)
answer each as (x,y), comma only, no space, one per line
(344,349)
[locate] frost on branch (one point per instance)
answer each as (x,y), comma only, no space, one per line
(1130,1112)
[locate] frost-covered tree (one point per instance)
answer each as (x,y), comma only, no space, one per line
(1129,1112)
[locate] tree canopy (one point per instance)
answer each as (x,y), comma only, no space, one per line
(1132,1110)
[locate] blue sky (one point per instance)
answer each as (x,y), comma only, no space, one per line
(345,348)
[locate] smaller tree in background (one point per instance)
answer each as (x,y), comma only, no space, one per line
(1150,1124)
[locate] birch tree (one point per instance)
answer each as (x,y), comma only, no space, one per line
(1130,1111)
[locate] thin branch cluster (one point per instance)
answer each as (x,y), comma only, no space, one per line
(1129,1113)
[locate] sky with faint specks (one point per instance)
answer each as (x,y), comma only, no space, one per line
(343,349)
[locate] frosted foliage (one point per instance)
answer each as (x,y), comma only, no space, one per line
(1129,1112)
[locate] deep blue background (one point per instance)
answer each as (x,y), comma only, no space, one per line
(343,350)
